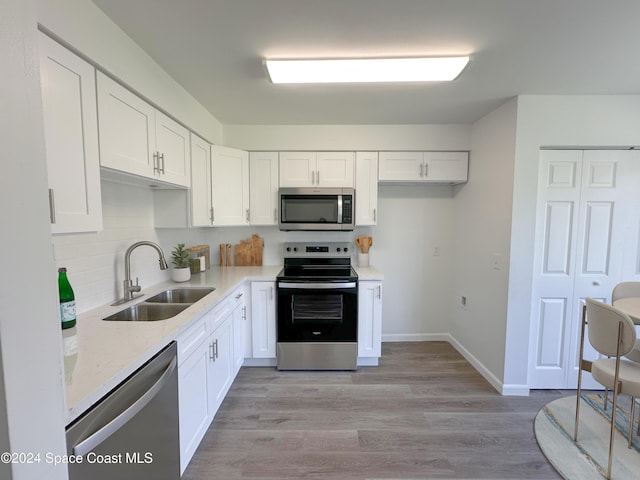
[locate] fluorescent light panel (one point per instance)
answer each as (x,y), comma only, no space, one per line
(366,70)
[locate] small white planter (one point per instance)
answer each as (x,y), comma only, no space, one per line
(363,259)
(181,274)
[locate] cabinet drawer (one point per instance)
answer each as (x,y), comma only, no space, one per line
(189,341)
(219,313)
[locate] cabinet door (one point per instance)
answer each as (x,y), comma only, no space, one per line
(263,182)
(71,139)
(200,182)
(446,167)
(172,145)
(127,129)
(401,166)
(193,398)
(230,185)
(263,319)
(297,169)
(220,376)
(366,188)
(335,169)
(369,319)
(239,315)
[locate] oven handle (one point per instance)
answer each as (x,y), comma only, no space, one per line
(315,286)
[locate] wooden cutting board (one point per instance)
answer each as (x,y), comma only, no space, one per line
(249,252)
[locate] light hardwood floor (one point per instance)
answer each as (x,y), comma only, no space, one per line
(424,413)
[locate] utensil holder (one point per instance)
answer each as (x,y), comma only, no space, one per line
(363,259)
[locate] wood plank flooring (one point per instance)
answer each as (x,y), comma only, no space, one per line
(424,413)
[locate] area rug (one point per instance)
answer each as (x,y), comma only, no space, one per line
(554,425)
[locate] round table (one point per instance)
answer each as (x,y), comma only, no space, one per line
(630,306)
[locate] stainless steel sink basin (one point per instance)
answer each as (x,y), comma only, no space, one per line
(148,312)
(180,295)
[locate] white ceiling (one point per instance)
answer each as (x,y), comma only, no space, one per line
(214,48)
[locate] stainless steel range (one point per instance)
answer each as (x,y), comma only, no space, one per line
(317,308)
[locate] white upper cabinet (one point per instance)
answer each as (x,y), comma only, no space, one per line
(366,188)
(446,167)
(172,145)
(137,139)
(424,167)
(230,186)
(201,214)
(335,169)
(263,181)
(71,139)
(317,169)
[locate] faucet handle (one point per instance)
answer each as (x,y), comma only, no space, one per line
(136,287)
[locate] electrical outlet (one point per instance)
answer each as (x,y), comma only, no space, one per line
(436,251)
(464,303)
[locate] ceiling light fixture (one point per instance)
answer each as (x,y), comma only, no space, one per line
(366,70)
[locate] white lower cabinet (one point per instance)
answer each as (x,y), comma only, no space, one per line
(205,374)
(263,319)
(369,319)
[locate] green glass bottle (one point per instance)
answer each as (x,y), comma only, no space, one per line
(67,300)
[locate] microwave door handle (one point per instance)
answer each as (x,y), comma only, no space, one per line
(339,208)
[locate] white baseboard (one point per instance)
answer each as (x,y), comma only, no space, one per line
(504,389)
(415,337)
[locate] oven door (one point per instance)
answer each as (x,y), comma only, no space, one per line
(317,312)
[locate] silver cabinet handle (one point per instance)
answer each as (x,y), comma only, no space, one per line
(156,163)
(270,293)
(52,206)
(596,283)
(212,355)
(421,170)
(244,312)
(247,214)
(215,348)
(161,157)
(426,169)
(318,176)
(211,214)
(379,291)
(238,296)
(117,423)
(374,214)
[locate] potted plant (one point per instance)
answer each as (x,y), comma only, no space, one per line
(182,266)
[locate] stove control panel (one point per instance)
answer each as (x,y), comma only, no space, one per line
(316,250)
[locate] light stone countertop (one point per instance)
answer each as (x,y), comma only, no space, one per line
(109,351)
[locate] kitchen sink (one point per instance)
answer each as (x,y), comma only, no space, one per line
(180,295)
(148,312)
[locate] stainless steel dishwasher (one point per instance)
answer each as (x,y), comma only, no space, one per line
(132,433)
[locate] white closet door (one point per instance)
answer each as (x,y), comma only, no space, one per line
(552,301)
(585,200)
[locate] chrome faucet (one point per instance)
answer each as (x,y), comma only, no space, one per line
(129,287)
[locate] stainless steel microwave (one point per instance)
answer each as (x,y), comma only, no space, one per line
(316,208)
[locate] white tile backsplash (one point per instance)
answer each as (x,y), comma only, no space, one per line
(95,261)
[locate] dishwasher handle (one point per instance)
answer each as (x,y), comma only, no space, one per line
(114,425)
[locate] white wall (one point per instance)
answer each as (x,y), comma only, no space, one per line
(482,218)
(551,121)
(30,341)
(85,28)
(347,137)
(412,220)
